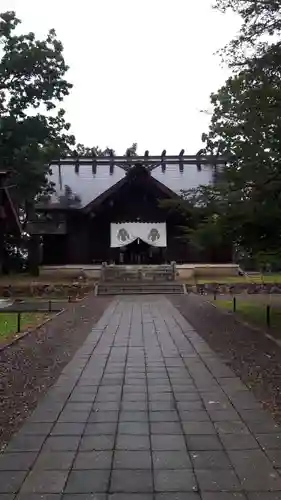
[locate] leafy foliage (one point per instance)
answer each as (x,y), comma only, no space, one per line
(246,127)
(32,129)
(261,27)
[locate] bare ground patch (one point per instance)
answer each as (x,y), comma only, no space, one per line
(255,358)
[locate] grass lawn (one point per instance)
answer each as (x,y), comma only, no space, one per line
(222,280)
(9,322)
(253,311)
(255,278)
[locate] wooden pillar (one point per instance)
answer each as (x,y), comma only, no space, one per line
(2,227)
(34,255)
(34,243)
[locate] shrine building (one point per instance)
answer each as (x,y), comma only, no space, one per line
(110,209)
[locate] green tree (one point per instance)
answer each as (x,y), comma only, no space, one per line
(33,128)
(260,29)
(246,127)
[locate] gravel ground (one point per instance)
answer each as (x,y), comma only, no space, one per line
(31,365)
(254,358)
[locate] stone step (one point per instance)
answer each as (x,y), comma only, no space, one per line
(139,288)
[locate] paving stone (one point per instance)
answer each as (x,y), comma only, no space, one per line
(82,398)
(98,442)
(68,429)
(132,460)
(130,496)
(93,460)
(177,496)
(198,428)
(134,428)
(87,481)
(44,481)
(165,416)
(11,481)
(139,396)
(84,496)
(245,401)
(38,496)
(106,405)
(197,443)
(162,405)
(158,389)
(73,416)
(133,416)
(131,442)
(190,405)
(206,460)
(194,416)
(264,496)
(162,396)
(61,460)
(255,416)
(134,406)
(171,460)
(132,481)
(269,441)
(182,397)
(17,461)
(110,389)
(231,427)
(223,415)
(61,443)
(25,443)
(103,416)
(239,441)
(167,442)
(214,480)
(36,429)
(7,496)
(165,428)
(110,397)
(275,457)
(44,416)
(223,496)
(100,428)
(264,427)
(255,470)
(134,388)
(174,480)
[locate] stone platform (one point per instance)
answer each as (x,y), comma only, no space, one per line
(144,411)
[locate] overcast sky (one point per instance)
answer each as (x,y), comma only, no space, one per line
(142,69)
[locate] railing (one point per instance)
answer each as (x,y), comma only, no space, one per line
(165,272)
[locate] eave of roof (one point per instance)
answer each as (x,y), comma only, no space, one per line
(15,222)
(113,189)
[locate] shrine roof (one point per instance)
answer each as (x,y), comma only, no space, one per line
(8,210)
(76,188)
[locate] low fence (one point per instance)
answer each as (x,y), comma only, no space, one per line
(268,315)
(15,312)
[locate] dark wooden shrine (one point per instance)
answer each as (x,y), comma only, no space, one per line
(71,230)
(9,220)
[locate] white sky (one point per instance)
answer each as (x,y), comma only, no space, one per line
(142,69)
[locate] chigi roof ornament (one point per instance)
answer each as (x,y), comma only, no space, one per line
(149,161)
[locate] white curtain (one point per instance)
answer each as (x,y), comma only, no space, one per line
(123,234)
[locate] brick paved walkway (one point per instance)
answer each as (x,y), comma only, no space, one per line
(144,411)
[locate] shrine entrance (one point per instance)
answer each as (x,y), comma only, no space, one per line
(140,252)
(138,243)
